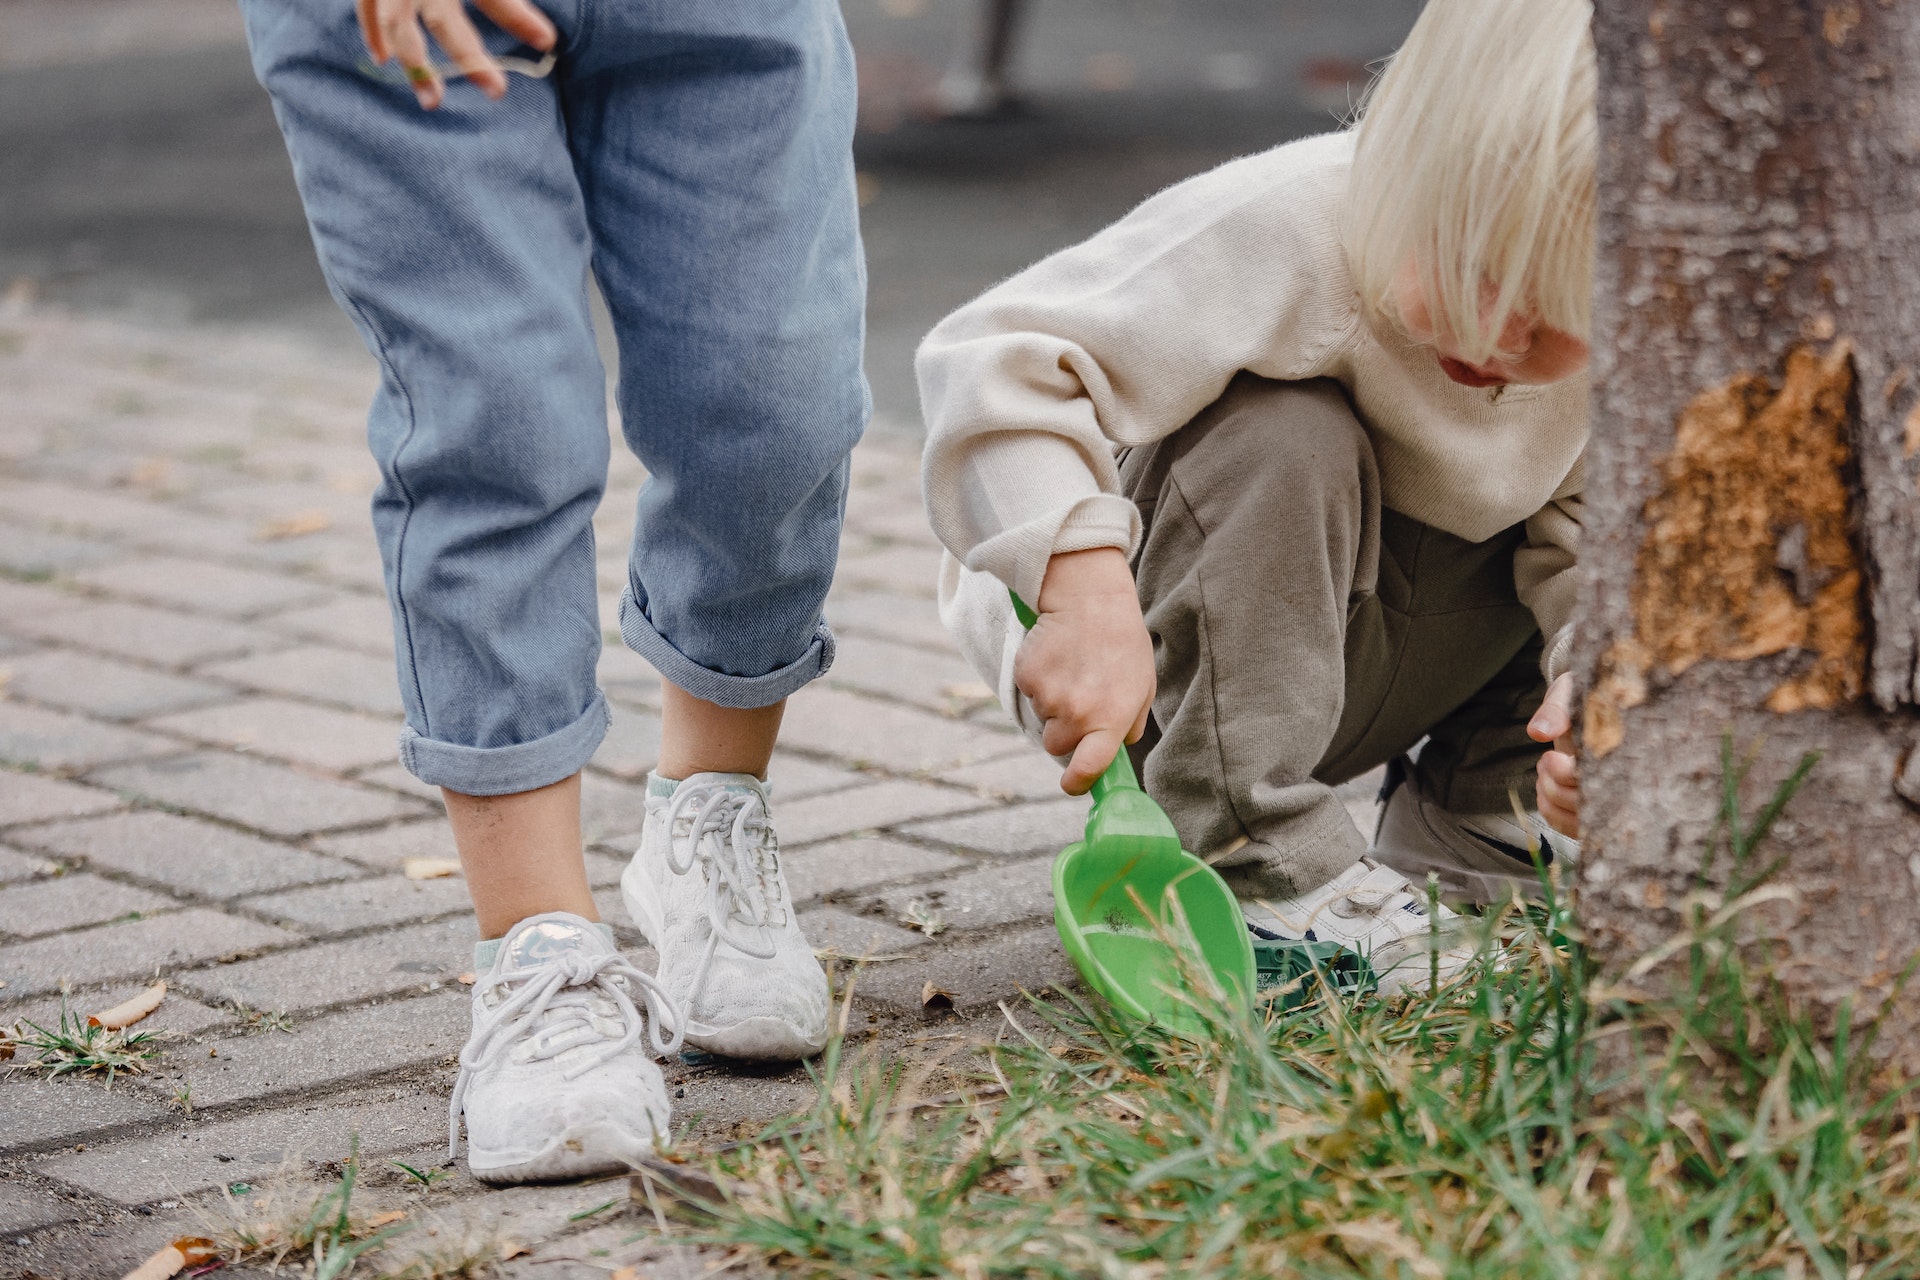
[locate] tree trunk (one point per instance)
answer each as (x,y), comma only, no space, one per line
(1752,545)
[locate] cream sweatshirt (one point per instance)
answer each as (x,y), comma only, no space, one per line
(1123,339)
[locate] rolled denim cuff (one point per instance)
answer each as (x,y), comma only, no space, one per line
(717,687)
(501,771)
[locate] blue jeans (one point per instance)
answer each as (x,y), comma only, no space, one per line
(695,157)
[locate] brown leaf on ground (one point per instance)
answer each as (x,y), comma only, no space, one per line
(935,999)
(128,1012)
(188,1251)
(509,1251)
(297,525)
(382,1219)
(430,868)
(467,979)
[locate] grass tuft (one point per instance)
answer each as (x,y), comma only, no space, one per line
(1521,1121)
(72,1047)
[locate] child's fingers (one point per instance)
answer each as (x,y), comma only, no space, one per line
(1554,719)
(369,13)
(521,20)
(1562,768)
(1557,792)
(401,29)
(1565,821)
(454,30)
(1090,759)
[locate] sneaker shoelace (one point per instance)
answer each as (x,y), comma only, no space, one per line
(552,1004)
(727,834)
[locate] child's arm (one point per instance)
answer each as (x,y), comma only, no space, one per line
(392,29)
(1544,573)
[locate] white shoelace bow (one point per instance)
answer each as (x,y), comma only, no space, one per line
(729,833)
(545,1005)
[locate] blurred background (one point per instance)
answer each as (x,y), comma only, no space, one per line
(141,175)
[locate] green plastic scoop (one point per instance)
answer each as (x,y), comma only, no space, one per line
(1127,900)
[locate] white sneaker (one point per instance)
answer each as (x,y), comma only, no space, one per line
(1483,858)
(555,1080)
(706,889)
(1377,912)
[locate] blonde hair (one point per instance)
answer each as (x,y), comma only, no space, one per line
(1474,163)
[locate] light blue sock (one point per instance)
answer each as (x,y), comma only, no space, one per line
(484,952)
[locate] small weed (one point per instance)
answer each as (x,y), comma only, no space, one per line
(258,1021)
(588,1213)
(183,1099)
(925,917)
(294,1217)
(425,1177)
(75,1048)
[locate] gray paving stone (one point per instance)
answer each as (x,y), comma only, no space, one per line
(23,1208)
(632,745)
(254,793)
(15,865)
(940,682)
(23,603)
(902,739)
(910,619)
(184,854)
(107,687)
(841,867)
(1031,775)
(135,948)
(388,848)
(351,619)
(796,777)
(33,553)
(152,635)
(1046,826)
(26,797)
(975,974)
(984,898)
(46,739)
(355,904)
(199,586)
(868,808)
(901,568)
(394,777)
(179,1161)
(407,959)
(609,808)
(68,902)
(340,676)
(854,937)
(296,731)
(35,1111)
(323,1051)
(626,676)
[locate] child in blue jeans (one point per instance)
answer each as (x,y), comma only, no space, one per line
(695,161)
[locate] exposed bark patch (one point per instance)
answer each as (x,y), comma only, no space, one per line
(1747,549)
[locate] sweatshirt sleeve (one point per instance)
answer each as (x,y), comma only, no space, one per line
(1119,341)
(1543,571)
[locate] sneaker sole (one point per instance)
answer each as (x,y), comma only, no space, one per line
(579,1152)
(760,1039)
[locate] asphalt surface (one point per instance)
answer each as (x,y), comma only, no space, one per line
(144,177)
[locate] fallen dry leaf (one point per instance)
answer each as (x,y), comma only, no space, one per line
(188,1251)
(625,1273)
(935,999)
(298,525)
(430,868)
(509,1250)
(382,1219)
(969,691)
(467,979)
(128,1012)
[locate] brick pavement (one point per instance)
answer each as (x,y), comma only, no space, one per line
(197,780)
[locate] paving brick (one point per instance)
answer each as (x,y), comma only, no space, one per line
(938,681)
(33,553)
(632,745)
(296,731)
(183,854)
(253,793)
(34,1111)
(609,808)
(53,740)
(1031,775)
(135,948)
(903,739)
(68,902)
(625,675)
(107,687)
(351,619)
(340,676)
(394,777)
(854,937)
(199,586)
(355,904)
(841,867)
(198,1154)
(910,619)
(26,797)
(380,964)
(901,568)
(796,777)
(1046,826)
(140,631)
(984,898)
(178,1014)
(23,1208)
(21,603)
(324,1051)
(388,848)
(15,865)
(975,974)
(880,804)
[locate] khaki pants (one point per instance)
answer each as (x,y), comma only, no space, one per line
(1304,634)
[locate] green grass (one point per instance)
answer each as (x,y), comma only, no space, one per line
(71,1047)
(1520,1122)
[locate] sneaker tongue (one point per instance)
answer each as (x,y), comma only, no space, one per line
(544,940)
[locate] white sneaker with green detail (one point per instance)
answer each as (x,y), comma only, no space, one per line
(1375,911)
(557,1079)
(707,890)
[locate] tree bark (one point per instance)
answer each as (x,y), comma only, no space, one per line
(1751,556)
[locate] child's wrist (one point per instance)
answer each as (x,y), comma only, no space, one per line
(1074,576)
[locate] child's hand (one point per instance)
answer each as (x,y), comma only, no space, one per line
(392,29)
(1087,665)
(1557,786)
